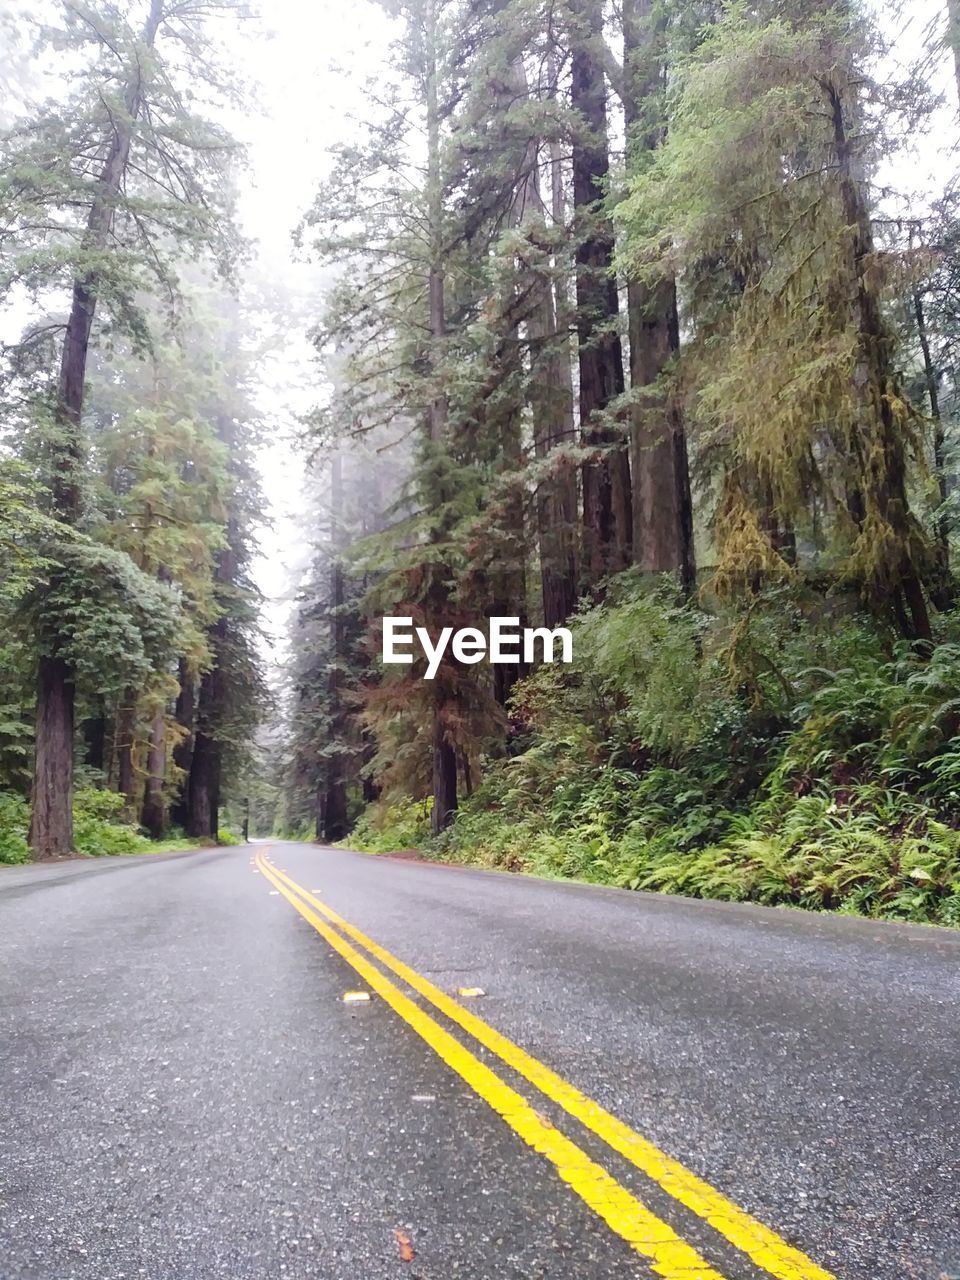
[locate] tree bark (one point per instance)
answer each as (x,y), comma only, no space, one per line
(444,777)
(95,737)
(662,503)
(51,821)
(153,814)
(125,745)
(607,502)
(444,768)
(203,789)
(186,717)
(334,824)
(551,404)
(203,817)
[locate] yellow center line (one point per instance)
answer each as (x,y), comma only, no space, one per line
(648,1235)
(763,1246)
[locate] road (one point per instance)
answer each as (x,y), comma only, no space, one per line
(647,1086)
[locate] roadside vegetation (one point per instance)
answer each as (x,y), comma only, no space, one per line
(766,756)
(99,829)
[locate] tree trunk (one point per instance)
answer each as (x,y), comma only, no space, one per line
(95,737)
(51,821)
(334,808)
(944,593)
(880,441)
(444,753)
(206,764)
(53,816)
(444,778)
(607,502)
(125,747)
(553,429)
(662,503)
(203,818)
(186,717)
(203,789)
(153,813)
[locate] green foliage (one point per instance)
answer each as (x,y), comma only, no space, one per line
(16,739)
(390,828)
(878,856)
(99,828)
(23,527)
(114,623)
(175,201)
(809,763)
(14,823)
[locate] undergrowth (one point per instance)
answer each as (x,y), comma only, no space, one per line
(795,756)
(98,827)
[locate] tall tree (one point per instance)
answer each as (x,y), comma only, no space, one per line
(607,504)
(99,190)
(760,195)
(662,502)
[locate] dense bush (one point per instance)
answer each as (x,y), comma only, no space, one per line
(795,755)
(98,828)
(14,821)
(404,824)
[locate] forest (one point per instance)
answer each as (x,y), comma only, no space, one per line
(640,318)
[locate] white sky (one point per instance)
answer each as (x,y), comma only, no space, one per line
(310,61)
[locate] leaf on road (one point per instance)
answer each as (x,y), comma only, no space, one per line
(407,1253)
(544,1120)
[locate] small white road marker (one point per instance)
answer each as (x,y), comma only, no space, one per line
(355,997)
(470,993)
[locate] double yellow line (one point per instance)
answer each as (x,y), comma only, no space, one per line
(667,1254)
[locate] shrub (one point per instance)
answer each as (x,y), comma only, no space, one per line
(388,827)
(14,823)
(98,826)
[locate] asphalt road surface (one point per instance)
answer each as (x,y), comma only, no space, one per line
(646,1087)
